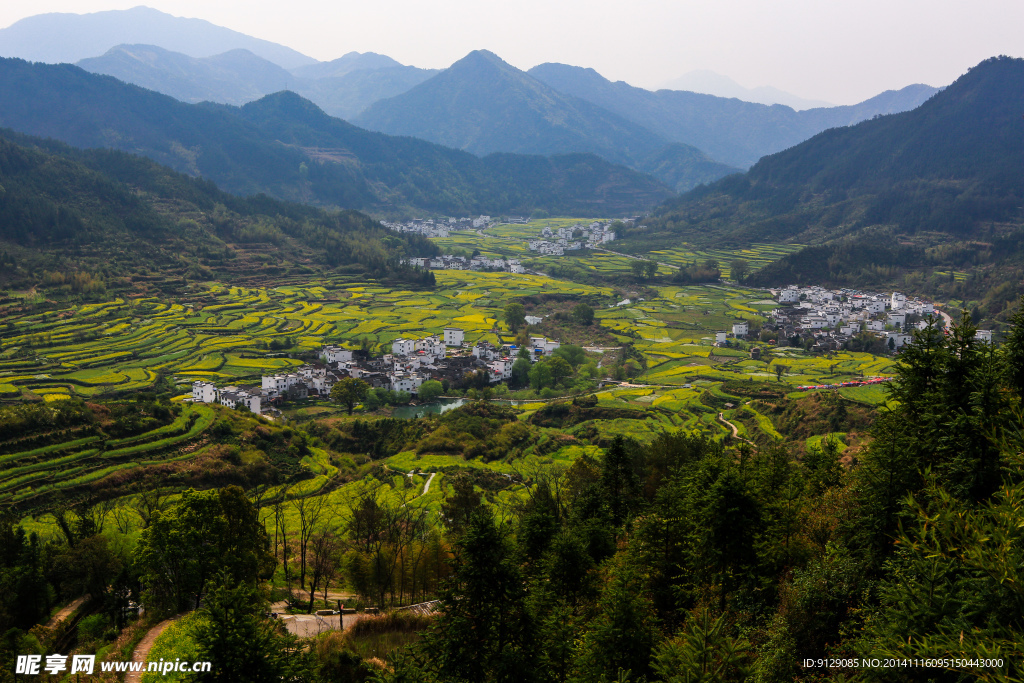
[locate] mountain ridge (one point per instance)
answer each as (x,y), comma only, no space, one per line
(482,104)
(709,82)
(932,190)
(218,142)
(729,130)
(236,77)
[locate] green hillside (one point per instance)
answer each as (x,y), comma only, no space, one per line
(89,219)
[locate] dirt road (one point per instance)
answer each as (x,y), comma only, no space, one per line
(66,612)
(141,651)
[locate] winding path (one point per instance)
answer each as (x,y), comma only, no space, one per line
(141,651)
(735,431)
(426,487)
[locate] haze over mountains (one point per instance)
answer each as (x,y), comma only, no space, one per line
(343,87)
(480,104)
(61,37)
(729,130)
(708,82)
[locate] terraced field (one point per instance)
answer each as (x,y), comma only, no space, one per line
(69,464)
(757,255)
(226,334)
(231,335)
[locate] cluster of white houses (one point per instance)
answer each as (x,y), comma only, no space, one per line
(555,242)
(442,227)
(410,363)
(449,262)
(830,317)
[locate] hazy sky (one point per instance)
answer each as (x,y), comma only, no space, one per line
(842,51)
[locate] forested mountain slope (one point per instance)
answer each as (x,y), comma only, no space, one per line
(387,174)
(93,218)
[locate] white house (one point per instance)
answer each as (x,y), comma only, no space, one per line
(895,318)
(898,301)
(204,392)
(232,397)
(453,336)
(721,337)
(500,369)
(789,295)
(545,345)
(900,339)
(403,347)
(276,385)
(983,335)
(431,346)
(485,350)
(876,325)
(335,354)
(533,319)
(875,306)
(401,381)
(740,329)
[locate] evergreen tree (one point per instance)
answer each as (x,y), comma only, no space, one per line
(484,632)
(242,644)
(619,480)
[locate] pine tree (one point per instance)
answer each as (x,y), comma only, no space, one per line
(484,633)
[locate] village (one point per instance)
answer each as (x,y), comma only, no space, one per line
(823,320)
(446,358)
(441,227)
(450,262)
(557,242)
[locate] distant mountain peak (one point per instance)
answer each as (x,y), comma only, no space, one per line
(484,58)
(68,37)
(483,105)
(347,63)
